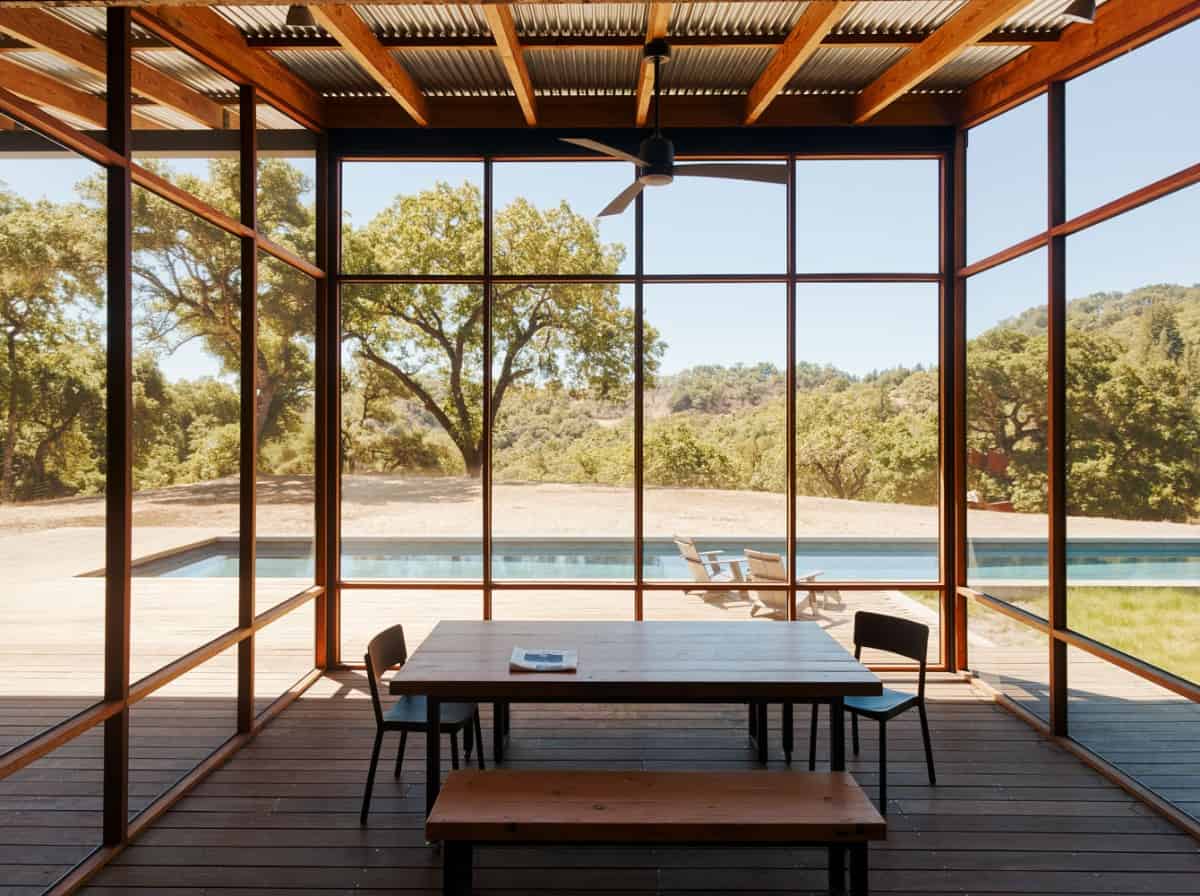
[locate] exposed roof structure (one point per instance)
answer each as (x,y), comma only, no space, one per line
(531,52)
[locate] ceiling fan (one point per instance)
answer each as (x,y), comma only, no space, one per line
(655,159)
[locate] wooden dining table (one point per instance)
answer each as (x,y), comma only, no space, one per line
(632,662)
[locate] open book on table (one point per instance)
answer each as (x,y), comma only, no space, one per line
(543,659)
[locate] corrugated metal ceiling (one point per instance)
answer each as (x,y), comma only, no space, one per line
(583,72)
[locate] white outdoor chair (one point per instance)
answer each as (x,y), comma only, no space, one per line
(766,567)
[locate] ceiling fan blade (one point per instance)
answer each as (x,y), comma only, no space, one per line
(622,201)
(597,146)
(768,174)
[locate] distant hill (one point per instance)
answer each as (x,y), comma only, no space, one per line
(1121,314)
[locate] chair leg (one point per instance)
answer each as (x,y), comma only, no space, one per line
(468,742)
(883,804)
(752,718)
(789,733)
(854,732)
(454,749)
(400,752)
(928,745)
(366,806)
(479,738)
(812,738)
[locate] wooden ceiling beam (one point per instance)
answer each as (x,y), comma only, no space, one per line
(377,60)
(1120,26)
(657,18)
(972,21)
(204,35)
(50,93)
(54,35)
(805,38)
(508,45)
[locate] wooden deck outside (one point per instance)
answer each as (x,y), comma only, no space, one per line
(1012,814)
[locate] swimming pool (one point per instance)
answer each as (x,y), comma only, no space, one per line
(580,559)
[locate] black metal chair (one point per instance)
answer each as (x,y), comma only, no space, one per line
(902,637)
(409,713)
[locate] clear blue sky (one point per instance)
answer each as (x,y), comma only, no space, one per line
(1125,128)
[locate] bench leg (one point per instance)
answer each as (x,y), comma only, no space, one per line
(789,732)
(858,869)
(456,868)
(498,731)
(837,870)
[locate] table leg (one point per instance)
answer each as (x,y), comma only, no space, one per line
(858,870)
(499,729)
(837,870)
(762,733)
(837,735)
(457,860)
(433,752)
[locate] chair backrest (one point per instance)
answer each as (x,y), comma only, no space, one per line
(765,567)
(687,550)
(892,634)
(387,649)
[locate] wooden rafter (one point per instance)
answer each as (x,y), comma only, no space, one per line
(814,24)
(377,60)
(53,94)
(508,44)
(53,35)
(657,18)
(961,30)
(1120,26)
(207,37)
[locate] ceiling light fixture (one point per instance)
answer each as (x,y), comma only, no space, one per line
(1080,11)
(299,16)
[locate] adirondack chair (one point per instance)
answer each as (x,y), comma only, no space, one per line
(766,567)
(707,567)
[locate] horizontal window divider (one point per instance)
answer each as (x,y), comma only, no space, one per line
(700,279)
(630,585)
(867,277)
(284,607)
(1016,250)
(1181,686)
(49,126)
(164,189)
(1012,611)
(450,279)
(576,585)
(1163,187)
(563,278)
(288,257)
(52,738)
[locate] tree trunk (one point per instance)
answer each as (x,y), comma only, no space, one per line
(472,456)
(10,434)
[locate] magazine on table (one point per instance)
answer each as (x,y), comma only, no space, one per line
(543,659)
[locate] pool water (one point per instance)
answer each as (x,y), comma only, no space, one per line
(896,560)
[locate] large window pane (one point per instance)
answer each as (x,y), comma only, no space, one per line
(1125,121)
(52,438)
(867,215)
(1010,656)
(365,613)
(54,813)
(705,225)
(412,384)
(421,218)
(1006,179)
(179,726)
(283,654)
(867,432)
(562,448)
(1133,475)
(1146,731)
(546,218)
(568,606)
(714,432)
(287,173)
(284,420)
(1006,432)
(186,435)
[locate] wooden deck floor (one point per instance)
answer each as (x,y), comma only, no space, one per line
(1011,814)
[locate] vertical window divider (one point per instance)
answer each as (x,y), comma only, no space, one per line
(789,411)
(1057,404)
(248,447)
(955,399)
(118,495)
(948,407)
(330,242)
(639,406)
(485,423)
(324,462)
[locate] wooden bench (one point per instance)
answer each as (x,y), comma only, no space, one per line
(534,807)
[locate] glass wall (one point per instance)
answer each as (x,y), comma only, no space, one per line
(549,479)
(1130,475)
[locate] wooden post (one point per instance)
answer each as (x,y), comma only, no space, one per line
(951,377)
(324,429)
(789,414)
(248,455)
(119,393)
(1057,405)
(329,377)
(485,435)
(639,406)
